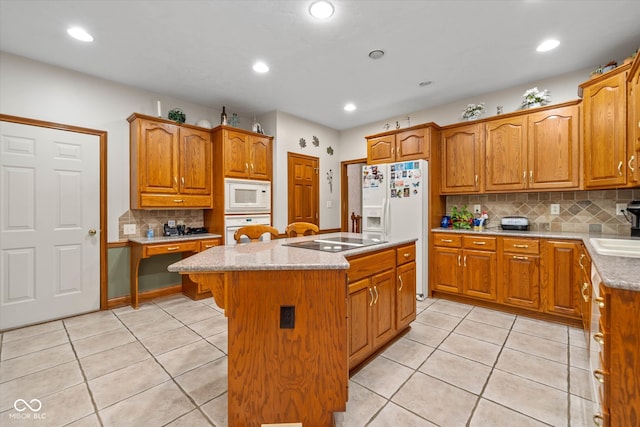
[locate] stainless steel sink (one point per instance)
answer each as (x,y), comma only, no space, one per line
(616,247)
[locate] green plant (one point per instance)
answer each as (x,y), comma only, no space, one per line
(177,115)
(461,218)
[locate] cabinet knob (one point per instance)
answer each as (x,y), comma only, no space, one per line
(598,374)
(599,338)
(407,255)
(600,302)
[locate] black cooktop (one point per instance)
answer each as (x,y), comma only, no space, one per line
(334,244)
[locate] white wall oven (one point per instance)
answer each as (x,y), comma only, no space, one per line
(243,196)
(234,222)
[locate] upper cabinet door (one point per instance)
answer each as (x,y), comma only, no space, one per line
(260,158)
(195,161)
(506,154)
(236,162)
(605,132)
(462,159)
(381,149)
(633,136)
(157,157)
(411,145)
(554,149)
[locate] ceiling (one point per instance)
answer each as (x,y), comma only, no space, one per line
(203,50)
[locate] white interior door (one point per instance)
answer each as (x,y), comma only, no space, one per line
(49,224)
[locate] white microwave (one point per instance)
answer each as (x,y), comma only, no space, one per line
(246,196)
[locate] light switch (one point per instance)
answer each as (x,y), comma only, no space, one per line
(329,204)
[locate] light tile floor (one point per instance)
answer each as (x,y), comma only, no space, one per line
(166,364)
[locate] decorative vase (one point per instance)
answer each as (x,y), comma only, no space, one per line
(534,105)
(472,118)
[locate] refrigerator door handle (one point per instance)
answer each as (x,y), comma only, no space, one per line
(387,211)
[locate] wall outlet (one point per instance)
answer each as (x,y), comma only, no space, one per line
(329,204)
(477,209)
(129,229)
(554,208)
(621,208)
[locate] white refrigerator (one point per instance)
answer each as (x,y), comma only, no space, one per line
(395,205)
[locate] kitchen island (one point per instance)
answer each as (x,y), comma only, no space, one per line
(288,333)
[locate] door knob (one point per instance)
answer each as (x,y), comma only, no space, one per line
(92,232)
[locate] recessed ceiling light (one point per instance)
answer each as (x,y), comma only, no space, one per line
(349,107)
(321,9)
(376,54)
(260,67)
(425,83)
(80,34)
(547,45)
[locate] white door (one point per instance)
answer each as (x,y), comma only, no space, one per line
(50,207)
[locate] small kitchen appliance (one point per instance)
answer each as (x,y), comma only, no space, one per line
(518,223)
(634,209)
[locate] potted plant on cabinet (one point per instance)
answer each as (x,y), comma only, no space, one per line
(461,218)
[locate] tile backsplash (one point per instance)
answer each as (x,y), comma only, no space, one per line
(580,211)
(143,219)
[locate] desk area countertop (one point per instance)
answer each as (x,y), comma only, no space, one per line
(171,239)
(275,255)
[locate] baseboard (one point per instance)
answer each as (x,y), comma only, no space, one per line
(144,296)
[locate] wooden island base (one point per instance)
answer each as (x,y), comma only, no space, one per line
(287,344)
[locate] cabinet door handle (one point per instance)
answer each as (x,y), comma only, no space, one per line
(246,166)
(585,296)
(208,246)
(459,258)
(393,151)
(524,177)
(630,162)
(401,283)
(599,374)
(598,420)
(476,180)
(175,180)
(182,179)
(599,338)
(252,168)
(620,168)
(600,302)
(479,243)
(371,295)
(521,246)
(375,288)
(582,256)
(524,258)
(178,201)
(530,177)
(446,240)
(465,261)
(173,248)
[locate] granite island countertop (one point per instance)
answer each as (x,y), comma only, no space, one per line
(275,255)
(615,271)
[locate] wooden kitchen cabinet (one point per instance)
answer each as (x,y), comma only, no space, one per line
(170,165)
(633,132)
(406,286)
(614,355)
(462,159)
(381,301)
(401,145)
(465,265)
(520,272)
(562,277)
(605,130)
(535,151)
(245,154)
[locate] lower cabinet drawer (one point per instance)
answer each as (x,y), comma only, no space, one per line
(521,246)
(206,244)
(370,264)
(167,248)
(405,254)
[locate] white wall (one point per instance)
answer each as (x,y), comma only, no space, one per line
(288,131)
(562,88)
(39,91)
